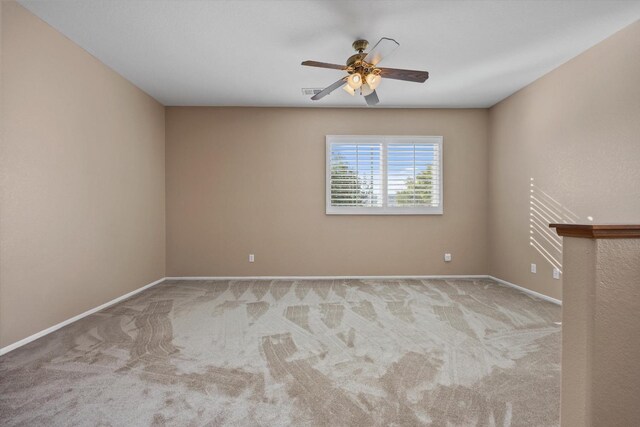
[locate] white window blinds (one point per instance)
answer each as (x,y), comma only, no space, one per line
(384,175)
(356,175)
(413,174)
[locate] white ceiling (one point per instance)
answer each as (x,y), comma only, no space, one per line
(248,53)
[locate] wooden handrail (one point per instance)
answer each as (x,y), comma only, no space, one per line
(598,231)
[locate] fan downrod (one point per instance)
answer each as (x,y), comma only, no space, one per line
(359,46)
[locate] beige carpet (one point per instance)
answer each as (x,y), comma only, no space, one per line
(275,353)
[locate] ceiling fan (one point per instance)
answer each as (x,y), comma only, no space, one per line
(364,75)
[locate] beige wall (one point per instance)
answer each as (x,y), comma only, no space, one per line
(82,198)
(252,180)
(575,133)
(600,321)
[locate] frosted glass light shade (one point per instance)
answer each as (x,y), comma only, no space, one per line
(355,80)
(366,90)
(351,91)
(373,80)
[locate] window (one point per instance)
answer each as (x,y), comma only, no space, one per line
(384,175)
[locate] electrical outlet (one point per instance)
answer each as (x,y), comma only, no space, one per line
(447,257)
(533,268)
(251,258)
(556,273)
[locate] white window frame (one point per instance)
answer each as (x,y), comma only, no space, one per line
(385,140)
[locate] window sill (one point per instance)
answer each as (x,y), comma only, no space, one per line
(383,211)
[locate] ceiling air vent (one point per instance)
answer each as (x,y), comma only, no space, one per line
(310,91)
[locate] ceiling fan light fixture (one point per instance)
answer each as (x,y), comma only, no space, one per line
(355,80)
(351,91)
(362,71)
(373,80)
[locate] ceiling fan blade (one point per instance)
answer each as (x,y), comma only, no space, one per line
(323,65)
(381,50)
(407,75)
(327,90)
(372,98)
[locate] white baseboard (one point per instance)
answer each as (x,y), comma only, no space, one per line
(468,276)
(47,331)
(527,291)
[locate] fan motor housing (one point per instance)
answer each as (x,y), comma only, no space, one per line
(357,57)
